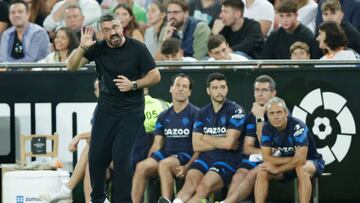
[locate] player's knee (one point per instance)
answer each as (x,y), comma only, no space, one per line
(203,189)
(240,174)
(262,175)
(309,170)
(141,168)
(303,171)
(251,175)
(165,162)
(190,181)
(164,165)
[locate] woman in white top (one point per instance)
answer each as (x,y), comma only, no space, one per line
(64,43)
(332,40)
(156,14)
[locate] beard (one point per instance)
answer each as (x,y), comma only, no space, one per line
(176,23)
(115,40)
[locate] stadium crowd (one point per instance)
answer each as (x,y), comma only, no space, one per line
(217,146)
(43,31)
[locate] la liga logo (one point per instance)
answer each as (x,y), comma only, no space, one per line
(330,120)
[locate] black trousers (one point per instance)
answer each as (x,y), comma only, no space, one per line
(112,138)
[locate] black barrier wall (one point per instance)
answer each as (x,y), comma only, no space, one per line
(327,100)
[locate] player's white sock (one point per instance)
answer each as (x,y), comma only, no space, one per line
(177,200)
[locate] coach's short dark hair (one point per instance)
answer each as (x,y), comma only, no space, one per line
(215,76)
(268,79)
(182,75)
(105,18)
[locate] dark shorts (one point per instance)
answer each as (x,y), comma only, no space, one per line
(319,165)
(183,157)
(225,168)
(137,157)
(141,148)
(247,164)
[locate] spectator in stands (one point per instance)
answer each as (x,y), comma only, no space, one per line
(243,35)
(38,11)
(171,153)
(291,30)
(138,11)
(171,51)
(193,33)
(333,41)
(217,129)
(331,11)
(220,50)
(156,18)
(205,10)
(299,51)
(74,19)
(23,41)
(307,10)
(4,17)
(64,43)
(350,8)
(124,13)
(263,12)
(89,8)
(297,155)
(243,181)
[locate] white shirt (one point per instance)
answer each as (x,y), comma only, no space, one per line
(89,8)
(307,15)
(347,54)
(185,59)
(233,57)
(260,10)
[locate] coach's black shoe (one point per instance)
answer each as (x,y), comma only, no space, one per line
(163,200)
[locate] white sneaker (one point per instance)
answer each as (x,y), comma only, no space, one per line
(55,196)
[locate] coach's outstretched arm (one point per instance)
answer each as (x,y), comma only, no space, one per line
(77,59)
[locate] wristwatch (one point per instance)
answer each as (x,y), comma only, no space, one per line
(260,120)
(134,85)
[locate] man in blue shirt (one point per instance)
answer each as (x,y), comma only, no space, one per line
(297,155)
(216,135)
(171,153)
(24,41)
(243,182)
